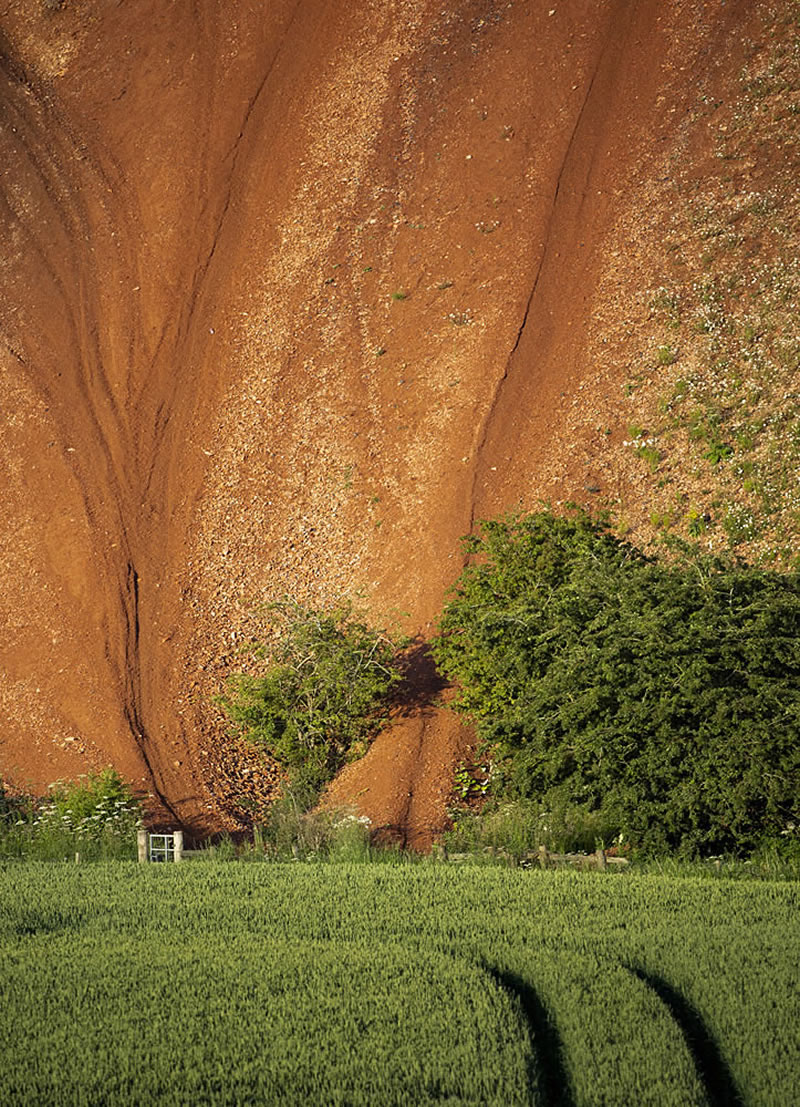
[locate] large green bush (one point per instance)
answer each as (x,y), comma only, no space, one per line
(666,695)
(321,693)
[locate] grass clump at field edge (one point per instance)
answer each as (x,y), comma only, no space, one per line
(96,817)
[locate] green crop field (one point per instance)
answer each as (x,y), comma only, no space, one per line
(211,983)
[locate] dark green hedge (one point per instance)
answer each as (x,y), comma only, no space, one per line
(666,694)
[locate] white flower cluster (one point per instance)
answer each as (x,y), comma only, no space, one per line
(352,820)
(639,442)
(117,817)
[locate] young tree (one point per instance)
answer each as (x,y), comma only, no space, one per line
(321,693)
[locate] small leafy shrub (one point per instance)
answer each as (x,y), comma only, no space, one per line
(650,455)
(644,446)
(322,691)
(666,355)
(739,524)
(472,782)
(718,451)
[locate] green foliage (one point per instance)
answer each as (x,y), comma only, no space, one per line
(96,816)
(739,524)
(718,451)
(93,798)
(516,829)
(666,696)
(473,781)
(650,455)
(696,523)
(292,833)
(399,985)
(322,692)
(666,355)
(7,805)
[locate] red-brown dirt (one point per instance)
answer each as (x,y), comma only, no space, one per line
(292,295)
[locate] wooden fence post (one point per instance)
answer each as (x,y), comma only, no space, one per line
(543,856)
(178,840)
(141,843)
(600,854)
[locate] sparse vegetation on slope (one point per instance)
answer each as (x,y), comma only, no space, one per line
(718,388)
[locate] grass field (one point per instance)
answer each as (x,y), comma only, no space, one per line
(337,984)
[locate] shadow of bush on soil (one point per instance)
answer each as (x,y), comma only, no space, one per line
(421,683)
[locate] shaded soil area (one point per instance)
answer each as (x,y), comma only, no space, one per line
(292,295)
(404,782)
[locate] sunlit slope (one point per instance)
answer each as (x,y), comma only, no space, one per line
(291,295)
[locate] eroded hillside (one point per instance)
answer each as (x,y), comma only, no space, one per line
(293,293)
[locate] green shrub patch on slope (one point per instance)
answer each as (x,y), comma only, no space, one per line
(663,695)
(321,693)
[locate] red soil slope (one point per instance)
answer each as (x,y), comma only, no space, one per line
(292,294)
